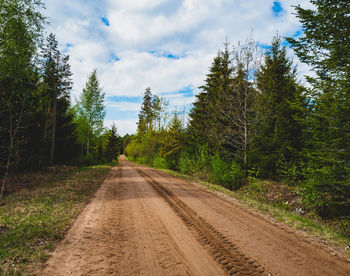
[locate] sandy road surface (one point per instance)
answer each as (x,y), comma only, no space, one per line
(145,222)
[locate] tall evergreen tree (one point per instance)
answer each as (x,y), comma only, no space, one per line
(330,60)
(281,111)
(172,142)
(203,124)
(57,85)
(150,112)
(21,26)
(114,144)
(324,45)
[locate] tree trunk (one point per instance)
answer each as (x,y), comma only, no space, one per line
(13,132)
(87,146)
(53,134)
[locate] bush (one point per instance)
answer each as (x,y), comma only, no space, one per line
(186,163)
(220,170)
(141,160)
(292,171)
(237,175)
(86,160)
(159,162)
(226,174)
(201,164)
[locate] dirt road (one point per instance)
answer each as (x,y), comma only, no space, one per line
(145,222)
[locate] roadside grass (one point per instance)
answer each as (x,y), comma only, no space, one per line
(311,225)
(35,217)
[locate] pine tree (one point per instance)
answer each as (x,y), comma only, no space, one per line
(58,84)
(279,108)
(21,25)
(203,124)
(324,45)
(330,60)
(172,142)
(113,146)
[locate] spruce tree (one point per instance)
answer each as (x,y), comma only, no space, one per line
(281,111)
(57,86)
(330,60)
(324,45)
(204,120)
(113,146)
(21,25)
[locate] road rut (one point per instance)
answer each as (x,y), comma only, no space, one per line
(146,222)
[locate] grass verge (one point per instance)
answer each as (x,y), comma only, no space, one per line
(34,218)
(312,226)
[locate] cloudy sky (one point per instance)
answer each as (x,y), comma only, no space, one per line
(167,45)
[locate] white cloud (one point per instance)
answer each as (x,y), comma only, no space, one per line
(123,126)
(124,106)
(191,29)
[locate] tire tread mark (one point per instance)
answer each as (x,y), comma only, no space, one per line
(225,253)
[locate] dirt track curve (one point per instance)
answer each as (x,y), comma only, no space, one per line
(146,222)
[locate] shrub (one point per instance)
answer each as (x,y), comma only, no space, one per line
(293,171)
(237,175)
(226,174)
(201,165)
(141,160)
(220,170)
(159,162)
(186,163)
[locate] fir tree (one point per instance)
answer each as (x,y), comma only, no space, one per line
(203,124)
(324,45)
(113,146)
(280,111)
(57,85)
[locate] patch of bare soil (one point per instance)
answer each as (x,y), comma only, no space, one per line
(146,222)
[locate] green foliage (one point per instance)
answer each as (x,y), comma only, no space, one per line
(326,188)
(159,162)
(281,110)
(114,144)
(186,163)
(221,170)
(292,171)
(90,112)
(228,174)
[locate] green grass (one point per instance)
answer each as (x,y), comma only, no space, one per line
(310,225)
(34,218)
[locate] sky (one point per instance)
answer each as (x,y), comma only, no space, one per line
(167,45)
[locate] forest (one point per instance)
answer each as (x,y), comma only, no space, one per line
(39,125)
(252,120)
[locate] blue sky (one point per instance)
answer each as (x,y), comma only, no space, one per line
(167,45)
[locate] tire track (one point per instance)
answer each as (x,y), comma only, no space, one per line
(225,253)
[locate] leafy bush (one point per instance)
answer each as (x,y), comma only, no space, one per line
(186,163)
(237,175)
(226,174)
(201,164)
(141,160)
(159,162)
(220,170)
(293,171)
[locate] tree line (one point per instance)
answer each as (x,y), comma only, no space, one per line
(254,119)
(39,126)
